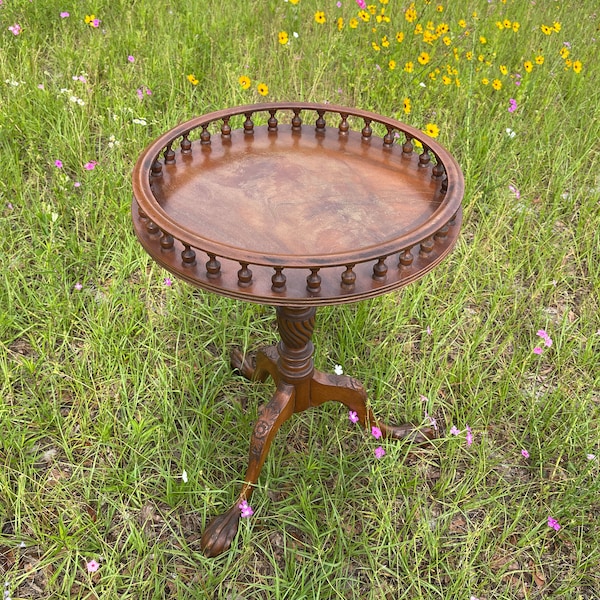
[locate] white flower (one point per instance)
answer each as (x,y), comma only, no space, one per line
(338,370)
(510,133)
(184,476)
(139,121)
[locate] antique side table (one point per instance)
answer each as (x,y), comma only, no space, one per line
(296,205)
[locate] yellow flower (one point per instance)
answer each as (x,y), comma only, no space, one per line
(423,58)
(556,26)
(262,89)
(462,23)
(364,16)
(564,52)
(400,37)
(384,41)
(372,9)
(410,14)
(577,66)
(418,29)
(446,80)
(507,24)
(340,23)
(320,17)
(294,1)
(353,23)
(515,26)
(499,25)
(528,66)
(469,55)
(546,30)
(432,130)
(485,81)
(283,38)
(375,46)
(89,19)
(409,67)
(407,106)
(539,60)
(497,84)
(192,79)
(482,40)
(244,81)
(439,8)
(392,64)
(447,40)
(503,69)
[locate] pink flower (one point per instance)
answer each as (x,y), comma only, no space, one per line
(167,281)
(90,166)
(58,164)
(376,432)
(379,452)
(15,29)
(525,453)
(537,350)
(552,522)
(92,566)
(245,509)
(64,15)
(469,436)
(455,430)
(515,191)
(353,416)
(130,58)
(547,339)
(361,3)
(512,105)
(78,286)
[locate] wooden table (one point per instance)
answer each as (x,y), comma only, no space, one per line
(296,205)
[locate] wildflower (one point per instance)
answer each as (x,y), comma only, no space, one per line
(400,37)
(525,453)
(577,66)
(15,29)
(392,65)
(283,38)
(92,21)
(167,281)
(552,522)
(92,566)
(139,121)
(469,436)
(528,66)
(432,130)
(320,17)
(338,370)
(245,509)
(192,79)
(423,58)
(184,476)
(539,60)
(590,456)
(90,166)
(131,58)
(361,3)
(375,432)
(515,190)
(340,23)
(58,164)
(510,133)
(512,105)
(537,350)
(244,81)
(262,89)
(503,69)
(64,15)
(410,14)
(409,67)
(353,416)
(407,106)
(497,84)
(516,26)
(546,30)
(78,286)
(454,430)
(379,452)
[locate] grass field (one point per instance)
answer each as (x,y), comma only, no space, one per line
(113,383)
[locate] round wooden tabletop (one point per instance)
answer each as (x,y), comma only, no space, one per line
(297,204)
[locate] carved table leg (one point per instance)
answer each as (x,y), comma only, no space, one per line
(265,364)
(349,391)
(220,532)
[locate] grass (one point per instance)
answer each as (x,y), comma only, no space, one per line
(112,384)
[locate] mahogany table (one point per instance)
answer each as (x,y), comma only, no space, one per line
(296,205)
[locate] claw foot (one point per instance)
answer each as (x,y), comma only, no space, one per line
(417,435)
(219,534)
